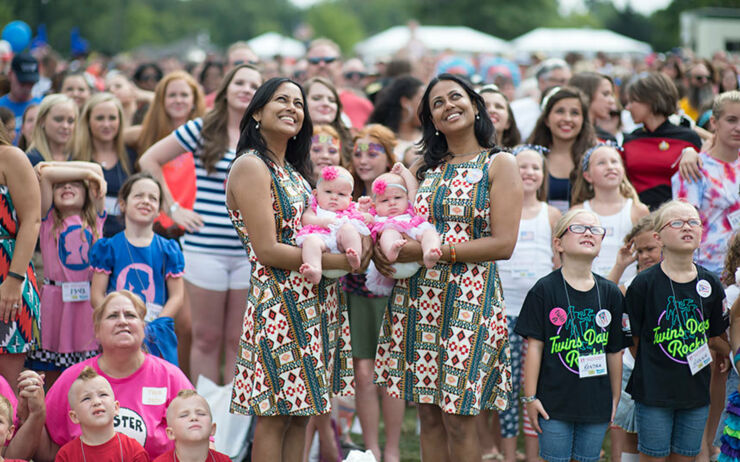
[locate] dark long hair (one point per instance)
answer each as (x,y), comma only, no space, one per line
(388,109)
(297,151)
(433,145)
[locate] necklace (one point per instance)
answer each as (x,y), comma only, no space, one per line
(120,447)
(176,459)
(466,154)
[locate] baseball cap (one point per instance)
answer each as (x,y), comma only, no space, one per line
(26,68)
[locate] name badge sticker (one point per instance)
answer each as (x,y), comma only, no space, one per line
(152,311)
(76,291)
(474,175)
(592,365)
(704,288)
(153,396)
(734,219)
(699,359)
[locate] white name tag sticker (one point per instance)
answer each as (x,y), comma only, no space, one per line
(592,365)
(153,396)
(111,205)
(152,311)
(699,359)
(734,219)
(76,291)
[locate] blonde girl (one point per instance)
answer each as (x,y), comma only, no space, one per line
(53,134)
(572,320)
(602,187)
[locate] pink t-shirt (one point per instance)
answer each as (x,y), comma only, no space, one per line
(143,396)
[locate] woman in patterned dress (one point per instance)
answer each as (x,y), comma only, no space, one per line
(20,219)
(444,342)
(294,351)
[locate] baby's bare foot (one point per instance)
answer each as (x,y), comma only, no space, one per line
(353,258)
(395,250)
(310,272)
(432,256)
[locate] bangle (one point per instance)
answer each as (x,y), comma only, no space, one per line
(736,358)
(453,254)
(528,399)
(13,275)
(174,207)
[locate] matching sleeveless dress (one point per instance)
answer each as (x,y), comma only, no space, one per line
(22,335)
(444,338)
(294,352)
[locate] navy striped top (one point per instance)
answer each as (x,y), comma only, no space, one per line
(217,236)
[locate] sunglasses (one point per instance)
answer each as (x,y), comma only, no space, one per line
(326,59)
(701,78)
(678,223)
(354,75)
(239,62)
(148,78)
(581,229)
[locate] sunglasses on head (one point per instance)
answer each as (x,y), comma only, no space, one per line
(581,229)
(678,223)
(325,59)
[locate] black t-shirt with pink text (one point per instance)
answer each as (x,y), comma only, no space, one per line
(671,321)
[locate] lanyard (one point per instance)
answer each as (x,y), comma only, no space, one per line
(120,447)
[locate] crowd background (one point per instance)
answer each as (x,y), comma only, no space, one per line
(143,126)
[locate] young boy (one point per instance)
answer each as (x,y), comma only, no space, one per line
(190,425)
(93,406)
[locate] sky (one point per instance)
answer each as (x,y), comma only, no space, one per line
(643,6)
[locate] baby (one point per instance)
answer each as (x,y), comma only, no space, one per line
(93,406)
(394,218)
(333,223)
(190,424)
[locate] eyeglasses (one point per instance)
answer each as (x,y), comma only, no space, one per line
(678,223)
(326,59)
(581,229)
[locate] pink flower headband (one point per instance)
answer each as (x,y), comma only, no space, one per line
(331,173)
(379,187)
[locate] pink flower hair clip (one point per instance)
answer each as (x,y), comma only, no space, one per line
(379,187)
(329,173)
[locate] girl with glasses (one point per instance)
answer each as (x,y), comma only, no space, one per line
(572,319)
(676,315)
(602,187)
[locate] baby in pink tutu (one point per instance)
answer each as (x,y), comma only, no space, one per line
(333,223)
(395,216)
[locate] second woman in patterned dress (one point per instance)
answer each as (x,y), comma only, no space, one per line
(444,343)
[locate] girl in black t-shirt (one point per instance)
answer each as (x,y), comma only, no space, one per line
(676,314)
(572,319)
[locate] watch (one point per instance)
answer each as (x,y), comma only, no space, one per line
(528,399)
(174,207)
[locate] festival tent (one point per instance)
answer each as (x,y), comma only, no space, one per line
(433,38)
(271,44)
(560,41)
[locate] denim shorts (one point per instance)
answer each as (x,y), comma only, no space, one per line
(661,430)
(562,441)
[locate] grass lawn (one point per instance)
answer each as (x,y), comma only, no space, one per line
(410,451)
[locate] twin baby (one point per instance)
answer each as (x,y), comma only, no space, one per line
(336,224)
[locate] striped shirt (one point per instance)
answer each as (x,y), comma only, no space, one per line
(217,236)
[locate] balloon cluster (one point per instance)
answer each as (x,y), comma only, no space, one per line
(18,35)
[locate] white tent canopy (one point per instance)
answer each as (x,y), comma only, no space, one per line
(559,41)
(270,44)
(433,38)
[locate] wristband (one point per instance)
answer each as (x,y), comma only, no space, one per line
(528,399)
(736,358)
(13,275)
(174,207)
(453,254)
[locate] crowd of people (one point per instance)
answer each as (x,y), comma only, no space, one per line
(550,247)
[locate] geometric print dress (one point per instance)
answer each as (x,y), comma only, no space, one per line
(294,351)
(22,334)
(444,338)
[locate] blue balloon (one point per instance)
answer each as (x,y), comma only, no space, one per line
(18,34)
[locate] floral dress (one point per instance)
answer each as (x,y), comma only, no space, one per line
(294,352)
(21,335)
(444,338)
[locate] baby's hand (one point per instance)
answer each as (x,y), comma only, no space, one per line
(364,203)
(398,168)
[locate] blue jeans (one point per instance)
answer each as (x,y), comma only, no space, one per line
(562,441)
(661,431)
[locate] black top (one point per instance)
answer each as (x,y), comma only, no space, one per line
(115,177)
(590,324)
(670,328)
